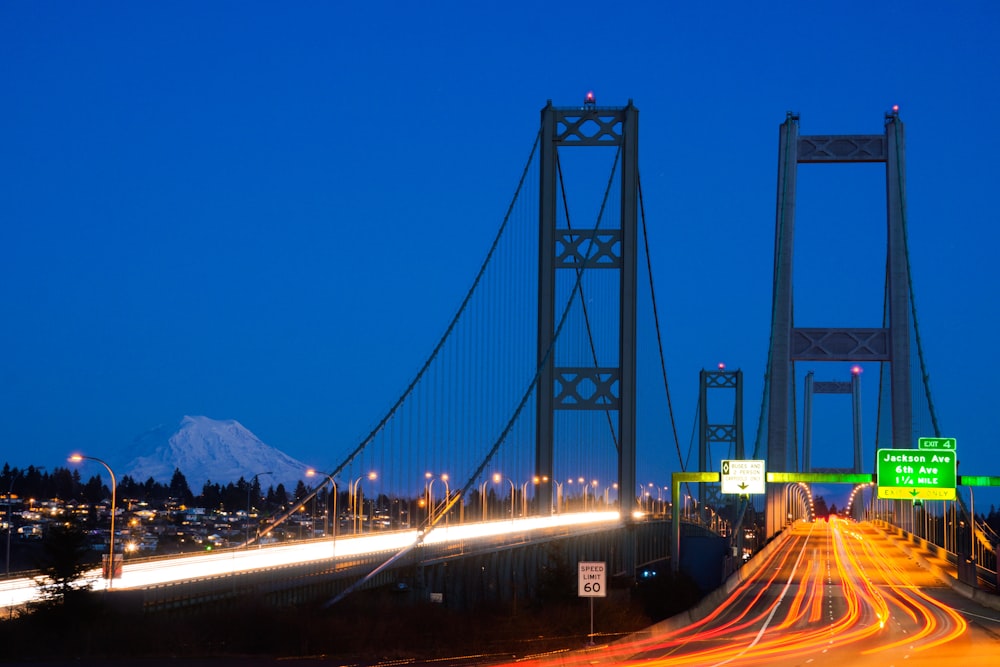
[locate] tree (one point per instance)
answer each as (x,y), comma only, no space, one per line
(62,562)
(211,495)
(179,488)
(819,507)
(93,491)
(63,483)
(234,496)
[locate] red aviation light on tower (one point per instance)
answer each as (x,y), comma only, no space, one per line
(722,366)
(856,370)
(589,99)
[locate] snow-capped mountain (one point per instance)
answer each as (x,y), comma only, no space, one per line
(210,449)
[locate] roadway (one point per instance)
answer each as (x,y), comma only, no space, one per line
(830,595)
(141,574)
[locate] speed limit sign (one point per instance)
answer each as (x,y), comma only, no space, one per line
(592,581)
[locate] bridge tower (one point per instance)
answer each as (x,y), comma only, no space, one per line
(853,387)
(583,387)
(710,433)
(813,387)
(889,344)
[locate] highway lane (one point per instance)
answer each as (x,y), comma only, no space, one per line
(833,594)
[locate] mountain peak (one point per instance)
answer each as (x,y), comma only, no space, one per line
(216,450)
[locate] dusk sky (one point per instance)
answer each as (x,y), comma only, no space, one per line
(268,211)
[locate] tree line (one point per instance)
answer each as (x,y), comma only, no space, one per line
(67,485)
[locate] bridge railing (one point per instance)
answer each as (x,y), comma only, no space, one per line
(944,525)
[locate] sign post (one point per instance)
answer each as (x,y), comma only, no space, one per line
(592,582)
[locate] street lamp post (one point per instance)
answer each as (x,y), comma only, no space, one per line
(447,495)
(482,497)
(352,490)
(77,458)
(497,478)
(357,500)
(253,483)
(429,493)
(326,524)
(428,498)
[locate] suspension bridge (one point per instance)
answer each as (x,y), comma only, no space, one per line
(531,393)
(551,377)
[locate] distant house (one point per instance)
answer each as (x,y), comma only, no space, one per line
(194,514)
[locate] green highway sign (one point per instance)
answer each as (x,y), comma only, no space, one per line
(936,443)
(915,474)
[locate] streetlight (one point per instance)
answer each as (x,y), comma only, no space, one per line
(428,500)
(326,524)
(447,494)
(253,483)
(482,496)
(77,458)
(536,480)
(429,493)
(607,494)
(356,502)
(524,495)
(497,477)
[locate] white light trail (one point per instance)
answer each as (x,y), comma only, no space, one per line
(136,575)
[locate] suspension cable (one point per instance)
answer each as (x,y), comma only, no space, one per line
(656,321)
(430,359)
(461,494)
(925,377)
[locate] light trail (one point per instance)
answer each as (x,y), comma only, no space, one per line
(145,574)
(870,607)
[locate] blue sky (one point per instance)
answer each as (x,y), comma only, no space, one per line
(228,208)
